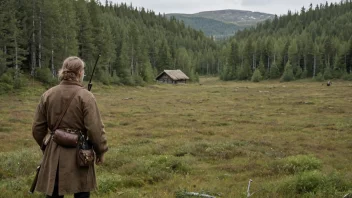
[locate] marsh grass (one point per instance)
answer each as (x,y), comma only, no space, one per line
(292,139)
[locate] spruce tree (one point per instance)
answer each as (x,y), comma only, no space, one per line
(245,72)
(288,73)
(327,72)
(274,71)
(70,28)
(257,76)
(86,48)
(123,70)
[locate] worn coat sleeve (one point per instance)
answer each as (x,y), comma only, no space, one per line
(40,124)
(95,127)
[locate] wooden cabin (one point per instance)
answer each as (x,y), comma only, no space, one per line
(172,77)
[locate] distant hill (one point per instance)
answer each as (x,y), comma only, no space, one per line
(222,23)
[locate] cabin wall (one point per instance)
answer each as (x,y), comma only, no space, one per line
(166,79)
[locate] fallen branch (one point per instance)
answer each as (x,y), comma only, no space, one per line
(199,195)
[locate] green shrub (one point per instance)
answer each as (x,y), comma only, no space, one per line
(295,164)
(115,78)
(5,88)
(244,72)
(335,182)
(103,76)
(257,76)
(309,182)
(132,182)
(20,81)
(327,73)
(13,78)
(337,73)
(45,75)
(304,74)
(274,72)
(298,73)
(319,77)
(162,168)
(155,169)
(147,72)
(108,183)
(288,73)
(115,159)
(138,80)
(7,77)
(314,183)
(347,77)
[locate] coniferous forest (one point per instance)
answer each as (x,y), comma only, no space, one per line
(136,44)
(315,43)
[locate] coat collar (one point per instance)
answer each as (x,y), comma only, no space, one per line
(70,82)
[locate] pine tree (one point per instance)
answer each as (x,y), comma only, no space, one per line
(293,56)
(288,73)
(70,28)
(11,43)
(164,57)
(123,70)
(261,68)
(245,72)
(86,48)
(233,59)
(52,41)
(274,72)
(327,72)
(257,76)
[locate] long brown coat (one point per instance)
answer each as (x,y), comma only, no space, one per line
(82,114)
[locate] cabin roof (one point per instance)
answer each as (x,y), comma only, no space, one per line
(174,74)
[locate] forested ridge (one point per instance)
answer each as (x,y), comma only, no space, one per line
(314,43)
(210,27)
(135,44)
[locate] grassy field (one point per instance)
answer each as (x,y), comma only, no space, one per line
(292,139)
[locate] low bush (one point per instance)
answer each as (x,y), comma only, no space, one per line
(288,73)
(155,168)
(347,77)
(314,183)
(45,75)
(257,76)
(319,77)
(5,88)
(108,183)
(296,164)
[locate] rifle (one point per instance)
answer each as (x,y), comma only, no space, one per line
(31,190)
(90,85)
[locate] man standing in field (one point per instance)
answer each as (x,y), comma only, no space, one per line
(59,173)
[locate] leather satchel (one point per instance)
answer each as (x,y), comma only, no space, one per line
(85,157)
(85,152)
(65,138)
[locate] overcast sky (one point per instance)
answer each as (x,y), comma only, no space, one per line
(278,7)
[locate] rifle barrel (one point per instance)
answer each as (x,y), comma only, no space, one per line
(90,85)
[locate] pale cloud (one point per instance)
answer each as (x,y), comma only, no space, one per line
(278,7)
(255,2)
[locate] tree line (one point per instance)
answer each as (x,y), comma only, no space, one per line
(313,43)
(135,44)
